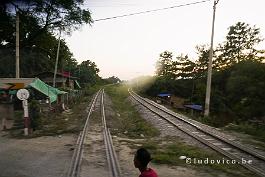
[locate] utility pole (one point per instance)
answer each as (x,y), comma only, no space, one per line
(56,62)
(17,45)
(209,75)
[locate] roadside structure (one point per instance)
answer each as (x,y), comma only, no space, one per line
(63,80)
(39,90)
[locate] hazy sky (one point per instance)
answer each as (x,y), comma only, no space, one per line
(130,46)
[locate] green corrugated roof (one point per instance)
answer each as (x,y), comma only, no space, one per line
(47,90)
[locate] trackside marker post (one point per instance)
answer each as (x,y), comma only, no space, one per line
(23,95)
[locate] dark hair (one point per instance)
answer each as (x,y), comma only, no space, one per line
(143,156)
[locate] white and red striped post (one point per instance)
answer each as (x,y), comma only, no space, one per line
(26,117)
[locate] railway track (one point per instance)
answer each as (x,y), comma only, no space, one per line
(110,152)
(207,135)
(112,161)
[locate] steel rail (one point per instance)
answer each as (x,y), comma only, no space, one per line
(75,166)
(112,159)
(236,145)
(253,168)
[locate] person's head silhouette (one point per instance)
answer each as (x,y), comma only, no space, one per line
(141,159)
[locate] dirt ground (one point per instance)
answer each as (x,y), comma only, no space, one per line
(126,155)
(47,156)
(50,156)
(6,124)
(94,159)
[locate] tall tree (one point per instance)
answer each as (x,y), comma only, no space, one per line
(39,21)
(184,67)
(164,65)
(50,14)
(240,44)
(202,61)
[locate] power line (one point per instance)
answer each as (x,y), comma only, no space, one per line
(154,10)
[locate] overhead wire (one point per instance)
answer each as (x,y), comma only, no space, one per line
(153,10)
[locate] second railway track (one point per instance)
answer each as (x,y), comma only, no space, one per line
(110,154)
(242,155)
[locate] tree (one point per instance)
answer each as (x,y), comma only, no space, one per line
(202,61)
(112,80)
(88,72)
(240,44)
(238,77)
(164,65)
(37,52)
(184,67)
(245,89)
(37,58)
(50,14)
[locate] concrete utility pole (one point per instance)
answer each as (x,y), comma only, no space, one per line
(17,45)
(209,75)
(57,57)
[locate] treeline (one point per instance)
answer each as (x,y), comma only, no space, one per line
(238,80)
(40,23)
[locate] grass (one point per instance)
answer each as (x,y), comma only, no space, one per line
(166,150)
(258,144)
(70,121)
(169,149)
(127,119)
(257,131)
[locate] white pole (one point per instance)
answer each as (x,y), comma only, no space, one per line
(17,45)
(56,63)
(209,75)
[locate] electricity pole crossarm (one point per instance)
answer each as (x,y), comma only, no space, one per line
(209,75)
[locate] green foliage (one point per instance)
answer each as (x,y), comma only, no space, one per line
(184,67)
(256,130)
(245,89)
(167,67)
(90,90)
(240,44)
(164,66)
(39,24)
(237,90)
(201,64)
(181,87)
(112,80)
(88,72)
(51,15)
(66,122)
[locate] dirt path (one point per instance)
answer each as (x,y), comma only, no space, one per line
(47,156)
(94,162)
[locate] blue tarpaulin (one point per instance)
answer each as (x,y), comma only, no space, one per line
(164,94)
(194,106)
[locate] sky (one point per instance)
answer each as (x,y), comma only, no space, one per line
(130,46)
